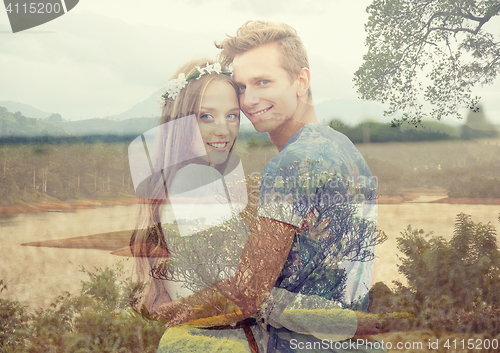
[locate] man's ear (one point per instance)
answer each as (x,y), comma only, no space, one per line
(304,82)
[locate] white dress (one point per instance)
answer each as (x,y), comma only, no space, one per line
(211,235)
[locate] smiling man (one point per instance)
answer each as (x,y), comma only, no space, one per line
(276,100)
(319,186)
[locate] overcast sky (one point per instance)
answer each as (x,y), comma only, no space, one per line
(103,57)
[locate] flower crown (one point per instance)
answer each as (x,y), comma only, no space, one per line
(175,85)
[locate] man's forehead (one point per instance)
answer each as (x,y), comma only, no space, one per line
(263,60)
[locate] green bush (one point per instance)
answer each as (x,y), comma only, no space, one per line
(479,320)
(99,319)
(452,285)
(14,322)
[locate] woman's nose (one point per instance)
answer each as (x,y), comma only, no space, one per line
(221,128)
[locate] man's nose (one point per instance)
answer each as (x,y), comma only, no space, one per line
(250,97)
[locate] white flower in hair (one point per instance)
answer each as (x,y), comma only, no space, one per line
(207,69)
(200,72)
(174,86)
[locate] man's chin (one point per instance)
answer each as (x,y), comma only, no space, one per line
(260,127)
(266,125)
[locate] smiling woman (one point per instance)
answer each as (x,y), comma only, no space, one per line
(195,180)
(196,133)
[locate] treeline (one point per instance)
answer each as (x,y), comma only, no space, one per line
(383,132)
(63,171)
(463,168)
(85,139)
(467,186)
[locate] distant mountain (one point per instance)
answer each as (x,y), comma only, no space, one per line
(18,127)
(25,109)
(149,108)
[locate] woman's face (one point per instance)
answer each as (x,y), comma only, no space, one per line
(219,120)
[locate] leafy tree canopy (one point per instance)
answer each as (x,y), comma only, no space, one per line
(442,40)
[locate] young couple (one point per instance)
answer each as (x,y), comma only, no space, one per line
(225,281)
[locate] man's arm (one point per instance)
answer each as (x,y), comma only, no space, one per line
(262,260)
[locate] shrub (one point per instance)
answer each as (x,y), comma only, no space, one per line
(99,319)
(14,321)
(452,285)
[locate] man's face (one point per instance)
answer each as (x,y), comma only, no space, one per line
(268,98)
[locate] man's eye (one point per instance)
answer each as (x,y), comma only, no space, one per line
(241,88)
(206,117)
(263,82)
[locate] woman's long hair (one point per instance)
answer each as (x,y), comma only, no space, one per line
(174,148)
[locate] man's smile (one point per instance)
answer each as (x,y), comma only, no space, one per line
(260,112)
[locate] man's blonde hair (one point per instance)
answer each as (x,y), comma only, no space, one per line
(254,34)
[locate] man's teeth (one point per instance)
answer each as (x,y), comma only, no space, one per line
(261,112)
(218,145)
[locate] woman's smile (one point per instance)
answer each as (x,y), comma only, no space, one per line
(218,146)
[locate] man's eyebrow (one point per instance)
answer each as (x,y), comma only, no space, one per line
(208,109)
(256,78)
(262,77)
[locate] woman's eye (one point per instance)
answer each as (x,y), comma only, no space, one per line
(206,117)
(232,116)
